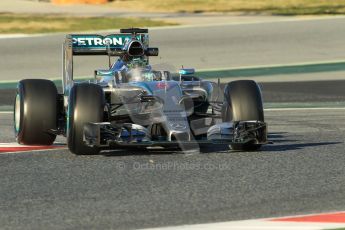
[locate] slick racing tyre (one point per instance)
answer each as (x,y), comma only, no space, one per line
(86,104)
(35,112)
(243,102)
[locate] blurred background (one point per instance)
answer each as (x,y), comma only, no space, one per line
(297,42)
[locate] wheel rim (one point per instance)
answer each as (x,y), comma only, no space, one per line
(17,113)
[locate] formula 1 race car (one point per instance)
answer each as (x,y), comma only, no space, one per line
(132,105)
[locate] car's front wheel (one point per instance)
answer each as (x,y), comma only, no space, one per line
(243,102)
(85,104)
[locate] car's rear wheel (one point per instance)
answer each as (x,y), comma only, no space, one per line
(86,104)
(35,112)
(243,102)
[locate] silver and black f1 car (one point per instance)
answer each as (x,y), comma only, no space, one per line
(132,105)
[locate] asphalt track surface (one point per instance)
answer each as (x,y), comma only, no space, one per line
(302,172)
(220,46)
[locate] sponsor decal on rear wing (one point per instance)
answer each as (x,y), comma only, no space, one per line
(91,44)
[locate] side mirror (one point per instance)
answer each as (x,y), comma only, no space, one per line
(102,73)
(186,71)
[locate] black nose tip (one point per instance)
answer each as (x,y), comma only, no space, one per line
(136,49)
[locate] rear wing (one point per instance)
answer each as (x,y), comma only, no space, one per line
(94,44)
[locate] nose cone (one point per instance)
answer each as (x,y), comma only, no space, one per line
(135,48)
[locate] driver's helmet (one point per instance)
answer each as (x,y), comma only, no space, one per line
(140,74)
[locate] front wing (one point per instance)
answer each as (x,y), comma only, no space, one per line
(106,135)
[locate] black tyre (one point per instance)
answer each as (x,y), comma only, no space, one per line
(243,102)
(86,104)
(34,122)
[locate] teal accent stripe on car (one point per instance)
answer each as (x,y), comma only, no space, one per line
(273,70)
(252,72)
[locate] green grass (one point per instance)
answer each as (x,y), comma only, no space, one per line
(336,229)
(273,7)
(31,24)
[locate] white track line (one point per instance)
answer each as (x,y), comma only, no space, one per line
(263,224)
(12,36)
(273,20)
(290,19)
(256,225)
